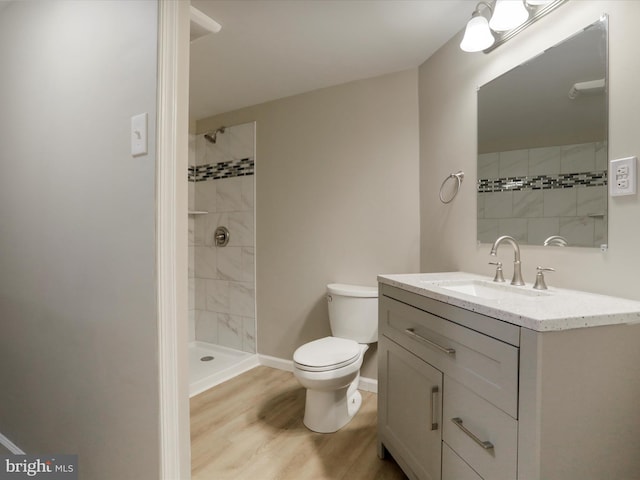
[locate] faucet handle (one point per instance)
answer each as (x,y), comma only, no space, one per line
(540,283)
(498,276)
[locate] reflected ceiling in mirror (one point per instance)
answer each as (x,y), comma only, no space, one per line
(542,146)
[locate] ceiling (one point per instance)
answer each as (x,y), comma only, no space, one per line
(270,49)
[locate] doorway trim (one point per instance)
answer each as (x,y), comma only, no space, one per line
(171,237)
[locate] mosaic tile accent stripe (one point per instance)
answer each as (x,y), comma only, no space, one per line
(543,182)
(233,168)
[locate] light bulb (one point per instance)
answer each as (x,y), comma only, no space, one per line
(508,14)
(477,35)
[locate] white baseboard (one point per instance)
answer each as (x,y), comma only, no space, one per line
(275,362)
(9,445)
(366,384)
(211,381)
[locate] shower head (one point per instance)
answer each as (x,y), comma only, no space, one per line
(212,136)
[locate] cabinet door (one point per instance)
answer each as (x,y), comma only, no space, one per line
(410,411)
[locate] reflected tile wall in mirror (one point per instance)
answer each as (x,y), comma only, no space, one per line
(570,199)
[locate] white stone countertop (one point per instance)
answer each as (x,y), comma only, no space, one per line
(540,310)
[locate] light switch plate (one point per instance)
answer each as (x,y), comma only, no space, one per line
(623,176)
(139,135)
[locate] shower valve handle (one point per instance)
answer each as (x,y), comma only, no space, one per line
(221,236)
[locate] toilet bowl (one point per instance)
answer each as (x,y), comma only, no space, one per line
(332,390)
(329,368)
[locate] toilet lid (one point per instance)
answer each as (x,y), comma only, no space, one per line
(326,353)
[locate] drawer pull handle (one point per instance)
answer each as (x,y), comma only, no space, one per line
(411,332)
(484,444)
(434,392)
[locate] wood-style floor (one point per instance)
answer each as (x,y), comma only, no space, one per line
(250,428)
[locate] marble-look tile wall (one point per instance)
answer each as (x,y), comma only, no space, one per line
(540,194)
(222,279)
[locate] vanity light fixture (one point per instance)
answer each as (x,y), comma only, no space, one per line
(506,19)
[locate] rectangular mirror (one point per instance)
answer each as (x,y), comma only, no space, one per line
(542,146)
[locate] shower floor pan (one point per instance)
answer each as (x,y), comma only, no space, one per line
(210,365)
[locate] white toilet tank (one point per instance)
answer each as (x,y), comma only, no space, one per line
(353,312)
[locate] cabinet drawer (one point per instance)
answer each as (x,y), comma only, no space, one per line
(487,366)
(454,468)
(468,421)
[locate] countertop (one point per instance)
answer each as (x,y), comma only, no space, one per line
(547,310)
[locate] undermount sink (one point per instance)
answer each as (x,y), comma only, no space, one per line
(489,290)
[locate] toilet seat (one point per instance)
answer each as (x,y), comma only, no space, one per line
(328,353)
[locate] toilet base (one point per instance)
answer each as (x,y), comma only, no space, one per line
(329,411)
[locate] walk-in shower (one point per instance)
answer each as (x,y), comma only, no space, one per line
(222,317)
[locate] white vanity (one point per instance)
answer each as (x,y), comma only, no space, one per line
(487,381)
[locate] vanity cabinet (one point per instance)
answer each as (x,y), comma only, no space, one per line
(473,408)
(465,396)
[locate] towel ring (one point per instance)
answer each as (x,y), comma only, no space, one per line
(459,175)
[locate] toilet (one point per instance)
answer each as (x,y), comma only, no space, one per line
(329,368)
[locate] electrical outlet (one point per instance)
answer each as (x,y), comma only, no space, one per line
(622,170)
(623,176)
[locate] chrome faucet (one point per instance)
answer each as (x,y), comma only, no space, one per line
(555,241)
(517,272)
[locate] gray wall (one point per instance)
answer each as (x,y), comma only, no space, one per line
(78,348)
(336,200)
(447,90)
